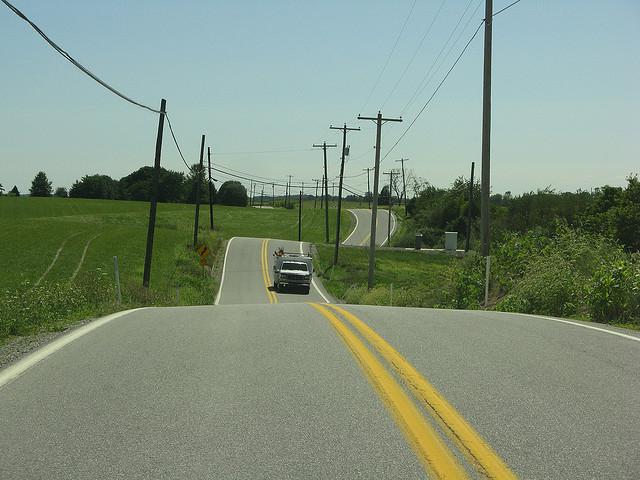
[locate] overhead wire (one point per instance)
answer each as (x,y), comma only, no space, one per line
(415,53)
(505,8)
(73,61)
(386,63)
(427,76)
(266,152)
(436,90)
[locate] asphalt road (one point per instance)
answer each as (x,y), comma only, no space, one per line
(248,274)
(294,390)
(361,234)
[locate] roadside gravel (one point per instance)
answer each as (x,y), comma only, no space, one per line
(18,347)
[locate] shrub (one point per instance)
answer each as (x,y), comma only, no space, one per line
(614,293)
(465,283)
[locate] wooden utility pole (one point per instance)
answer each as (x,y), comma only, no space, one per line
(324,147)
(262,195)
(391,173)
(273,195)
(404,184)
(315,197)
(368,169)
(374,208)
(470,212)
(154,198)
(198,182)
(300,217)
(344,147)
(486,131)
(287,201)
(210,189)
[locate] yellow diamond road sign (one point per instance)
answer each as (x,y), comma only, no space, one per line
(203,251)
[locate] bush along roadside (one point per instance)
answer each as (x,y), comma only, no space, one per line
(570,274)
(565,273)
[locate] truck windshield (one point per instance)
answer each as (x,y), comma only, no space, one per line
(294,266)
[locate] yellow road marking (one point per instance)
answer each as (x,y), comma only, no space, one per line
(430,449)
(264,261)
(366,239)
(460,430)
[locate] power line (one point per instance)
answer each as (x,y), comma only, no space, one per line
(175,141)
(437,89)
(505,8)
(266,151)
(77,64)
(427,76)
(415,53)
(390,55)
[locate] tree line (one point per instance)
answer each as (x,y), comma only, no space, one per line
(173,187)
(613,212)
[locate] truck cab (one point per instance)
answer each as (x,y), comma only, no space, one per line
(292,270)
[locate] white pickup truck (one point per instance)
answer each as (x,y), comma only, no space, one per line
(292,270)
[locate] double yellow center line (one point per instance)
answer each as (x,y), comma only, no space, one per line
(264,262)
(429,447)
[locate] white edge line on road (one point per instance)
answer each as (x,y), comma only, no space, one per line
(224,267)
(354,228)
(14,371)
(393,228)
(604,330)
(313,280)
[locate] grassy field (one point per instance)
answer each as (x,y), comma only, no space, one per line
(52,249)
(417,277)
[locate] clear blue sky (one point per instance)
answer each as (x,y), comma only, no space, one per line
(257,76)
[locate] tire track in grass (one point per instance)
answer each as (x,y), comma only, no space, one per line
(55,258)
(84,254)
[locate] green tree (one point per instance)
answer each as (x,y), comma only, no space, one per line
(383,198)
(1,189)
(627,215)
(14,191)
(41,186)
(138,185)
(95,186)
(190,185)
(61,192)
(232,193)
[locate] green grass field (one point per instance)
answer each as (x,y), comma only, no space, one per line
(418,278)
(36,231)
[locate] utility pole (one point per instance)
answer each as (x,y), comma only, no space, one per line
(198,182)
(300,217)
(486,147)
(404,184)
(287,201)
(391,173)
(470,213)
(210,189)
(262,195)
(374,208)
(368,169)
(154,198)
(315,197)
(250,193)
(273,195)
(486,130)
(324,147)
(344,147)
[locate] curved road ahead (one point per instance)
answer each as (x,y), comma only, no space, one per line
(253,389)
(361,234)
